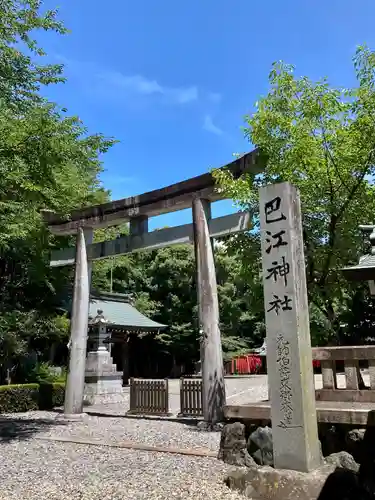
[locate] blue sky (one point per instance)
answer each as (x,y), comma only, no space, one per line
(172,80)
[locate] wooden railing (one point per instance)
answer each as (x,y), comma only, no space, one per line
(149,397)
(191,404)
(355,389)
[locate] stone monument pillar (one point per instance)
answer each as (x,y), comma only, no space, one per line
(102,380)
(289,357)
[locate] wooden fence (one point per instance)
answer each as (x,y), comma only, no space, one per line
(149,397)
(355,390)
(191,404)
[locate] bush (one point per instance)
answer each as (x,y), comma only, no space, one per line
(58,394)
(18,398)
(44,372)
(27,397)
(51,395)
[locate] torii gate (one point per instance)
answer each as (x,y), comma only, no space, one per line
(197,193)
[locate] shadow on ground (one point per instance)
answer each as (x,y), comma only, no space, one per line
(12,428)
(347,485)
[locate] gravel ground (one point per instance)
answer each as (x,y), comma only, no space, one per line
(36,469)
(31,468)
(55,471)
(110,430)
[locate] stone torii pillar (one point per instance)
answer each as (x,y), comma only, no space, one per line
(213,385)
(78,329)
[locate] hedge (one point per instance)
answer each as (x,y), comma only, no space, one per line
(27,397)
(19,398)
(51,395)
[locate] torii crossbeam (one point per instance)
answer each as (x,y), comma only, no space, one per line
(197,193)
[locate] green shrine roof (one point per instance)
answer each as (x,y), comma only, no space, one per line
(118,311)
(364,271)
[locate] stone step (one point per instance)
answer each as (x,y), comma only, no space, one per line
(113,398)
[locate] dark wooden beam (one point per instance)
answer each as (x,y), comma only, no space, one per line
(160,201)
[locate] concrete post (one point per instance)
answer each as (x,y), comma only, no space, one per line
(289,357)
(78,331)
(213,385)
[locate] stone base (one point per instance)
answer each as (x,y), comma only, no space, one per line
(103,393)
(266,483)
(101,376)
(120,398)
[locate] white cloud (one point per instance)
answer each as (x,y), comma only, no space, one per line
(209,126)
(131,84)
(182,95)
(215,97)
(139,84)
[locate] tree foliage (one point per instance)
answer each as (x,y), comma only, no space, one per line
(322,140)
(47,161)
(162,283)
(21,70)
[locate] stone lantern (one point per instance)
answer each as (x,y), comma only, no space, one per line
(365,269)
(101,375)
(98,334)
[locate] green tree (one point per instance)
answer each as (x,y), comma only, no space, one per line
(322,140)
(103,270)
(240,303)
(21,75)
(162,283)
(47,161)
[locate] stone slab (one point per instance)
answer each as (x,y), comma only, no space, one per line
(218,227)
(333,412)
(266,483)
(196,452)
